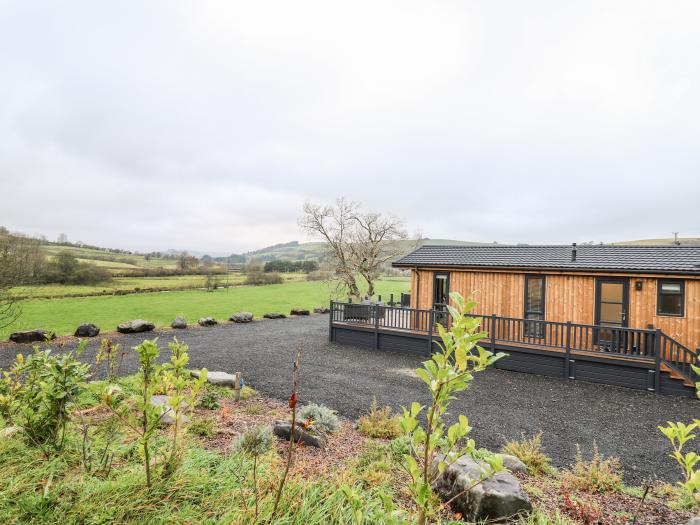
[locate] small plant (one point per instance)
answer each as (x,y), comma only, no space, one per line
(379,423)
(38,393)
(679,434)
(209,399)
(108,354)
(255,443)
(203,427)
(597,475)
(321,417)
(585,512)
(529,451)
(447,373)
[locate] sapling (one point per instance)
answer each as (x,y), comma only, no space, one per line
(679,434)
(255,443)
(448,372)
(108,354)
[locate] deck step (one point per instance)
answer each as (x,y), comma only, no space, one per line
(677,375)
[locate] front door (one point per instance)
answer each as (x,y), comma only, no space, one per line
(612,301)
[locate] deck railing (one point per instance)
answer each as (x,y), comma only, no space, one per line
(643,345)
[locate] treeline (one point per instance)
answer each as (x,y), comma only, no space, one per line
(290,266)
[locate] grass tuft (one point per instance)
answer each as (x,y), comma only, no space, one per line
(530,452)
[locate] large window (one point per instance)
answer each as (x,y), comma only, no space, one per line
(534,306)
(670,297)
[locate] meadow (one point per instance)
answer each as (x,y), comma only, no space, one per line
(63,315)
(135,284)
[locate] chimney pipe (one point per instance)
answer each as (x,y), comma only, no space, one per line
(573,252)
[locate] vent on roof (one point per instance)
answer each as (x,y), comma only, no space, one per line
(573,252)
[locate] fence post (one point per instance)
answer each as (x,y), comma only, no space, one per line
(431,323)
(493,333)
(391,300)
(657,360)
(567,359)
(376,326)
(330,323)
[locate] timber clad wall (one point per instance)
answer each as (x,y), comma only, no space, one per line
(569,297)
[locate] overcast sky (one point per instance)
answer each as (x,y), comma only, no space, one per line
(206,125)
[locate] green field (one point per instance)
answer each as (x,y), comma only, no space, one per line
(174,282)
(63,315)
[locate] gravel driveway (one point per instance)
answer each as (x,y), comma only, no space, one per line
(501,405)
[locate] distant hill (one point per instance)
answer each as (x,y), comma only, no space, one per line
(683,241)
(315,251)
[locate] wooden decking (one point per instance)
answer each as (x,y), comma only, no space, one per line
(643,359)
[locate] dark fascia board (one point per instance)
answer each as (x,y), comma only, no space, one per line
(540,269)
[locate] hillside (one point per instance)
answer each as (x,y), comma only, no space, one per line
(296,251)
(683,241)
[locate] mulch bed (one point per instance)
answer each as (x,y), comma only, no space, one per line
(610,508)
(234,418)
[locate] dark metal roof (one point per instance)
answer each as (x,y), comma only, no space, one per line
(596,258)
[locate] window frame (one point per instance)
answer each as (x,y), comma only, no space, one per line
(659,293)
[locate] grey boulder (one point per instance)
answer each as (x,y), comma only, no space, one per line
(283,430)
(274,315)
(32,336)
(513,463)
(496,498)
(179,323)
(322,310)
(135,326)
(241,317)
(87,330)
(299,311)
(206,321)
(167,414)
(217,378)
(694,521)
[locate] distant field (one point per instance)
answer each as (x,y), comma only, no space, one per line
(118,262)
(175,282)
(64,315)
(693,241)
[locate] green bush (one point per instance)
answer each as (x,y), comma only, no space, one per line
(379,423)
(259,278)
(323,418)
(529,451)
(38,393)
(209,399)
(203,427)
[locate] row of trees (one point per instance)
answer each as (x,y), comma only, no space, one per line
(290,266)
(358,242)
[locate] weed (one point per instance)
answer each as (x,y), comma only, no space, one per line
(597,475)
(530,452)
(379,423)
(203,427)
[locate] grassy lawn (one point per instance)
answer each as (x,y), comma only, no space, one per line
(64,315)
(175,282)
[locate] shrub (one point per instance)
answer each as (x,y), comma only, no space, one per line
(255,442)
(379,423)
(319,275)
(204,427)
(209,399)
(529,451)
(37,394)
(260,278)
(323,418)
(597,475)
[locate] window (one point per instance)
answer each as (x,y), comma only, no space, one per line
(534,306)
(670,298)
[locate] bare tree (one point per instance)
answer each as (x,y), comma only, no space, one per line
(373,244)
(20,260)
(335,224)
(358,242)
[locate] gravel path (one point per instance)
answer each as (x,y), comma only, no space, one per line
(501,405)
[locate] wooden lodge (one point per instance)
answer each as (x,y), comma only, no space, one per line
(621,315)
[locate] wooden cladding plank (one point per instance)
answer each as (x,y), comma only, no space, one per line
(569,297)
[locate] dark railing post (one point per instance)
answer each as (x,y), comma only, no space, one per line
(431,323)
(330,323)
(376,327)
(657,360)
(567,365)
(492,330)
